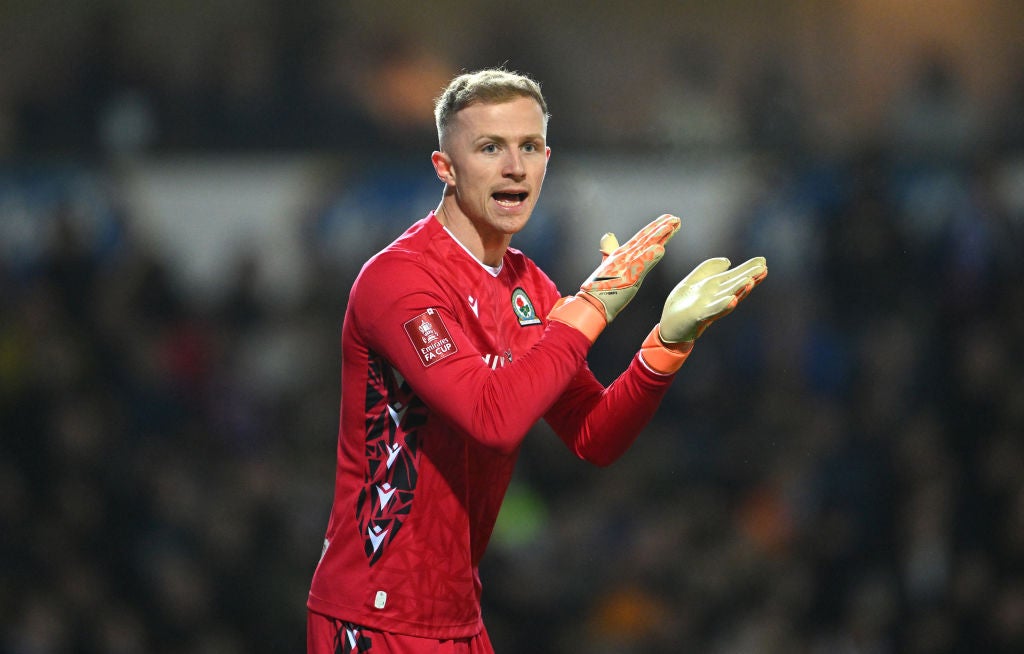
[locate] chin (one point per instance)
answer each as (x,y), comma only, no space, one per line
(515,225)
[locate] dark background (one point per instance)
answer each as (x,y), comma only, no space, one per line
(187,190)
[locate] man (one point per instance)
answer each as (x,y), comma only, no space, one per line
(453,346)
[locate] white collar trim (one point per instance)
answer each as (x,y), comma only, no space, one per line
(493,270)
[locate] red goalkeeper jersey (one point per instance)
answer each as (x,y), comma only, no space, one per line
(446,365)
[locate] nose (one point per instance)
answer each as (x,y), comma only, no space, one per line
(514,167)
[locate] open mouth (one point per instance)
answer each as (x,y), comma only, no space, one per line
(509,199)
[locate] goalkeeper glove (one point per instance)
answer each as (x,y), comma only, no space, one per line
(711,291)
(614,283)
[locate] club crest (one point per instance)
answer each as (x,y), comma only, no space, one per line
(523,308)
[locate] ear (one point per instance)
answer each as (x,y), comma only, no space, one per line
(443,167)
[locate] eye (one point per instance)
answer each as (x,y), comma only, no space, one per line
(490,148)
(529,147)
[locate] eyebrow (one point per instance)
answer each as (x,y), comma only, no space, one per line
(501,139)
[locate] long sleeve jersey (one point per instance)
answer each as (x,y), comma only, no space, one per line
(446,365)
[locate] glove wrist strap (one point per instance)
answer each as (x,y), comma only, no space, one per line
(581,313)
(661,357)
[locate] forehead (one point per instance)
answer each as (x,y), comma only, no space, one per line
(519,115)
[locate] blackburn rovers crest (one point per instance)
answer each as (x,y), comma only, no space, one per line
(523,308)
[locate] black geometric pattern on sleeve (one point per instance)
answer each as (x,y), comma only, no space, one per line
(394,415)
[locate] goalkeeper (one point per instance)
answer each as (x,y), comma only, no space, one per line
(454,345)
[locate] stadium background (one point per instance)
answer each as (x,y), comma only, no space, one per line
(188,188)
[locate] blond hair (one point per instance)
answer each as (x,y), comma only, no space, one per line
(491,85)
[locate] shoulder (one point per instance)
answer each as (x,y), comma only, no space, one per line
(411,264)
(392,272)
(410,252)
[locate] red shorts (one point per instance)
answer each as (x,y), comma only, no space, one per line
(327,635)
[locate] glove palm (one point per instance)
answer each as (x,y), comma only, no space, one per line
(709,292)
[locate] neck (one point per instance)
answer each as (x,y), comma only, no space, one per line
(489,249)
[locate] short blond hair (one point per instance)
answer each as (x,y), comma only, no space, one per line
(491,85)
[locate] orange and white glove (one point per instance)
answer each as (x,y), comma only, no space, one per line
(614,283)
(709,292)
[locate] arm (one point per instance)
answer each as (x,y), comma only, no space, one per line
(599,424)
(493,406)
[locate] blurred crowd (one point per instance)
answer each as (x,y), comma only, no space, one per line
(117,78)
(839,467)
